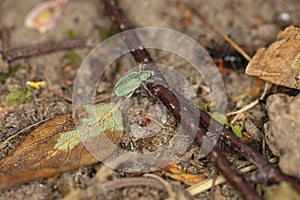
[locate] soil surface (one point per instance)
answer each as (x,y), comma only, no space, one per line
(251,24)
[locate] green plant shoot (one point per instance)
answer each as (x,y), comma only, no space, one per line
(221,118)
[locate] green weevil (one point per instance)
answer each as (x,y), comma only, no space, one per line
(128,84)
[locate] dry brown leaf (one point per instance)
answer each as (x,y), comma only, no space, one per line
(176,173)
(43,153)
(280,62)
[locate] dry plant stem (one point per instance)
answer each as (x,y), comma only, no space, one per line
(217,31)
(102,188)
(133,181)
(144,181)
(172,103)
(251,105)
(45,48)
(167,185)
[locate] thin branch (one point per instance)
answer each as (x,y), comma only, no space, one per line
(133,181)
(167,185)
(44,48)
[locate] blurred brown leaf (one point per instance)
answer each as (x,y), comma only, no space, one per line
(280,62)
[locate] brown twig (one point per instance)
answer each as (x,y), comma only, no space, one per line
(98,188)
(133,181)
(172,103)
(45,48)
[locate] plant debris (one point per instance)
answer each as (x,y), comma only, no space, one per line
(176,173)
(45,15)
(280,62)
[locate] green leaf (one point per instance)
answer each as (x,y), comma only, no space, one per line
(237,130)
(18,96)
(207,107)
(222,119)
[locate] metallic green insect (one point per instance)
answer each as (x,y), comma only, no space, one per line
(128,84)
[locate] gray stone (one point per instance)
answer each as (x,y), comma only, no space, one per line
(284,112)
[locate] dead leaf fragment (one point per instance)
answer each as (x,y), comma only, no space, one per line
(176,173)
(280,62)
(45,15)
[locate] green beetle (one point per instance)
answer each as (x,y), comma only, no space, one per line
(128,84)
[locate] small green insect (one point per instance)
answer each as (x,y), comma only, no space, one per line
(128,84)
